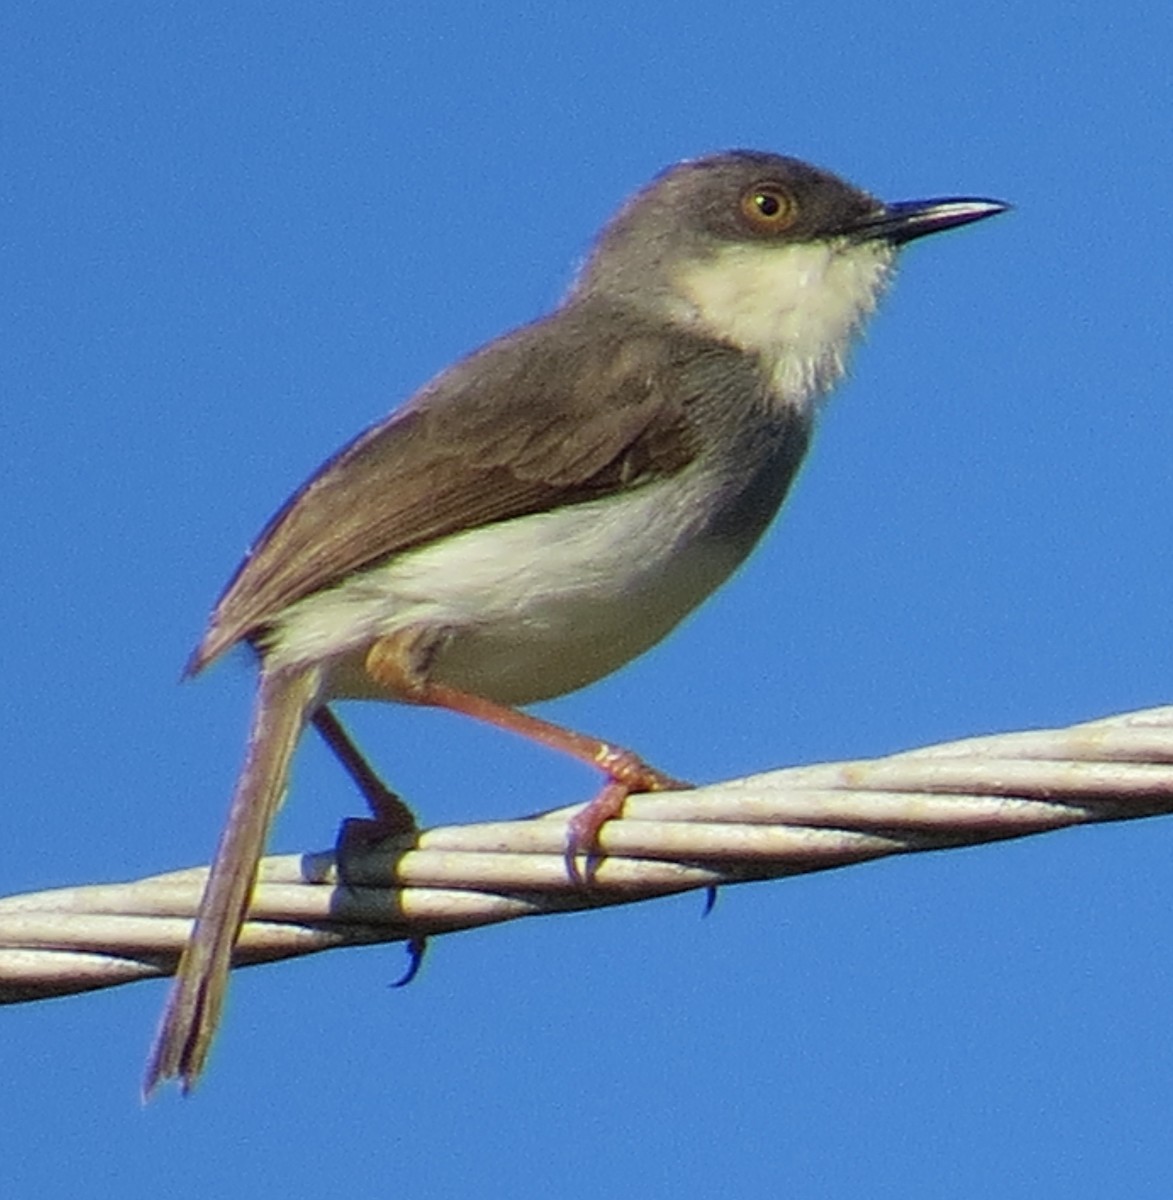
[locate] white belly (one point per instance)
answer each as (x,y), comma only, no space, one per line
(537,606)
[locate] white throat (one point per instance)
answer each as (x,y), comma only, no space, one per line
(797,306)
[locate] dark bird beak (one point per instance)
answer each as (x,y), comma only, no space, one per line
(908,219)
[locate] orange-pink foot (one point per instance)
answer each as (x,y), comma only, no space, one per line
(629,775)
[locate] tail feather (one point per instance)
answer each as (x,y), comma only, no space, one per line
(283,705)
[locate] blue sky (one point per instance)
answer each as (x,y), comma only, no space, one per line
(231,236)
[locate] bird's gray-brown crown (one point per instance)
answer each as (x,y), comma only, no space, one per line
(744,195)
(750,197)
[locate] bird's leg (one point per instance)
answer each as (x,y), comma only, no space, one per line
(390,817)
(388,811)
(394,663)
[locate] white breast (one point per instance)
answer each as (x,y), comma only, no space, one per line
(539,606)
(798,306)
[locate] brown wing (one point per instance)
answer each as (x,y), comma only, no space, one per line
(565,410)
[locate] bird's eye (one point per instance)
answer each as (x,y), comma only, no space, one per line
(768,207)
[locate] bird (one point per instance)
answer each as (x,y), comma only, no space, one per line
(550,506)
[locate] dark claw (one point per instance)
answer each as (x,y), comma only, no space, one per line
(574,848)
(416,948)
(582,833)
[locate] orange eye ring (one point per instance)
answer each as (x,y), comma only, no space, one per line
(768,207)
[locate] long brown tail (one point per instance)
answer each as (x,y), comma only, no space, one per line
(283,704)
